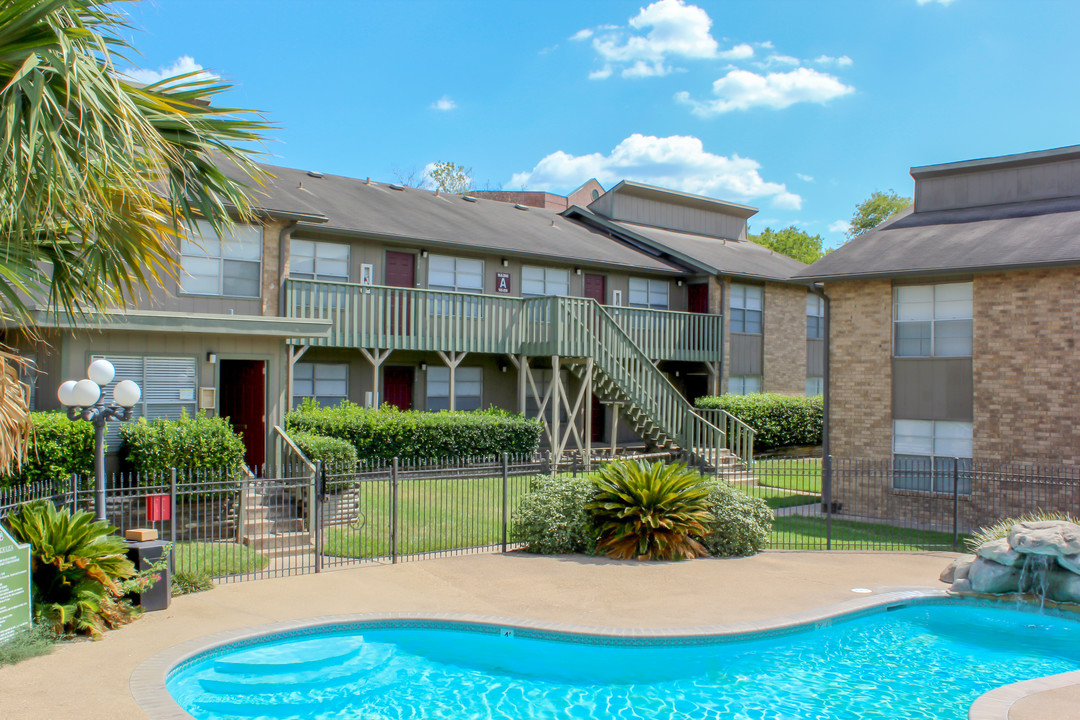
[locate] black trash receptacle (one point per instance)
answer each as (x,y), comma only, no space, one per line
(144,555)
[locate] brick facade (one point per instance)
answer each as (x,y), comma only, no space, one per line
(1026,383)
(274,267)
(784,342)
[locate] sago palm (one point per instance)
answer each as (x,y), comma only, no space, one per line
(650,512)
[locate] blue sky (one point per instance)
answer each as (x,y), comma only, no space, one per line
(798,108)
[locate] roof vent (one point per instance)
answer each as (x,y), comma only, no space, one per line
(368,181)
(395,186)
(314,173)
(470,198)
(519,206)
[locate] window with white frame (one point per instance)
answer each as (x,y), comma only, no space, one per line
(229,265)
(647,293)
(169,386)
(927,454)
(541,281)
(746,306)
(455,274)
(317,260)
(468,384)
(326,383)
(744,384)
(932,320)
(815,317)
(814,386)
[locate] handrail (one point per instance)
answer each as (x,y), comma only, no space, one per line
(312,508)
(672,334)
(740,435)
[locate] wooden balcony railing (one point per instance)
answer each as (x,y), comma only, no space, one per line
(671,335)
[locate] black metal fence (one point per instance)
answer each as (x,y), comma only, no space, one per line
(303,518)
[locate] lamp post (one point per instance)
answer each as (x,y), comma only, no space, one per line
(83,400)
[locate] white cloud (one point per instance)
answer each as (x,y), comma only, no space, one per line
(602,74)
(774,60)
(678,162)
(444,104)
(839,226)
(805,178)
(742,89)
(672,29)
(742,51)
(842,61)
(183,65)
(582,35)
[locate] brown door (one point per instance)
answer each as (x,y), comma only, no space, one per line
(400,272)
(398,387)
(597,429)
(697,300)
(596,288)
(242,388)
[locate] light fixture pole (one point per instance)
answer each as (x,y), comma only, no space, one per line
(84,400)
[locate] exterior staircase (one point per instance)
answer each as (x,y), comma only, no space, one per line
(271,521)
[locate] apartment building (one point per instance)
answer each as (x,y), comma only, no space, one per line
(625,308)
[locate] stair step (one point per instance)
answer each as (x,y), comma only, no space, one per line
(271,541)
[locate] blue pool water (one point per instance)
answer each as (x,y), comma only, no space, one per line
(927,661)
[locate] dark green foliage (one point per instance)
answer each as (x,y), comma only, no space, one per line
(28,643)
(551,519)
(740,524)
(334,453)
(793,242)
(777,420)
(60,447)
(190,443)
(874,210)
(186,583)
(387,432)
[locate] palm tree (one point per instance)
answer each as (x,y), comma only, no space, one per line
(99,175)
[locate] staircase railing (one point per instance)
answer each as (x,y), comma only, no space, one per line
(740,436)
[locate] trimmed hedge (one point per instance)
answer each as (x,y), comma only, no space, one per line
(551,519)
(334,453)
(190,443)
(777,420)
(740,524)
(387,432)
(59,448)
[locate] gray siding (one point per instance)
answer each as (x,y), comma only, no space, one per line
(746,354)
(815,358)
(932,389)
(646,211)
(998,186)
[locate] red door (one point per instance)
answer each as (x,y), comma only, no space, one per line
(400,272)
(697,300)
(242,388)
(596,288)
(398,387)
(597,430)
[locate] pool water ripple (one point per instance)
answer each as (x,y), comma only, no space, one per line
(923,661)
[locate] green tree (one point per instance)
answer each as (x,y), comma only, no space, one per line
(451,178)
(873,211)
(793,242)
(100,176)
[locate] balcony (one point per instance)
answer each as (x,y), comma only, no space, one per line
(378,317)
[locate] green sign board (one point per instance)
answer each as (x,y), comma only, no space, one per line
(14,586)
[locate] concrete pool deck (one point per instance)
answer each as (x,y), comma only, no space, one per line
(86,680)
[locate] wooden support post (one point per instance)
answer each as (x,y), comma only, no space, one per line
(376,357)
(452,361)
(714,377)
(573,412)
(588,413)
(520,363)
(294,356)
(556,412)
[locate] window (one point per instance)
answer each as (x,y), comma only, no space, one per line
(925,452)
(314,260)
(814,386)
(744,384)
(746,308)
(468,382)
(932,320)
(646,293)
(538,281)
(455,274)
(815,318)
(230,265)
(168,387)
(327,383)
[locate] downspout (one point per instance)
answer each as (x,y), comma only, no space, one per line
(819,290)
(284,235)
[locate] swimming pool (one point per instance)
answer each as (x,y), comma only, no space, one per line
(919,660)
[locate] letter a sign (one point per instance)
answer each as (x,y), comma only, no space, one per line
(502,282)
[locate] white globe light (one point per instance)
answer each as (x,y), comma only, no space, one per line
(86,393)
(101,371)
(126,393)
(66,393)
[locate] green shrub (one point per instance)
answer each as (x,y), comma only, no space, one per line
(777,420)
(551,519)
(649,511)
(59,448)
(190,443)
(739,524)
(187,583)
(27,643)
(334,453)
(387,432)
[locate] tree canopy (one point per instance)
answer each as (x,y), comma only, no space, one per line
(451,178)
(793,242)
(873,211)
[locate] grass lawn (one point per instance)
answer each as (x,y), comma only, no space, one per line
(798,532)
(801,474)
(217,558)
(776,498)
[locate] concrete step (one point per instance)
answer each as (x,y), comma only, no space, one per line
(278,541)
(265,526)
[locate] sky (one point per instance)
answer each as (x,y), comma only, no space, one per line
(801,109)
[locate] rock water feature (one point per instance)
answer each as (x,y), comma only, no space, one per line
(1040,558)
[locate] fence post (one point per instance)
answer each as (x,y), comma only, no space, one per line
(394,510)
(505,498)
(545,463)
(319,482)
(172,505)
(955,503)
(575,465)
(826,488)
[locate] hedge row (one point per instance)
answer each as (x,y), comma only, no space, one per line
(190,443)
(332,452)
(777,420)
(59,448)
(387,432)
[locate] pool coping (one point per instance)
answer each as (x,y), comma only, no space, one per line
(147,683)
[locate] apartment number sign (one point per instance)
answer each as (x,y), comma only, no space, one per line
(502,282)
(14,586)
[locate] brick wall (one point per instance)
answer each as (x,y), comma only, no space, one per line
(784,344)
(273,266)
(860,368)
(1027,386)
